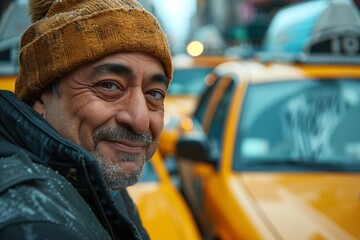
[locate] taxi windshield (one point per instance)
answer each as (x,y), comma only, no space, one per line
(188,81)
(312,124)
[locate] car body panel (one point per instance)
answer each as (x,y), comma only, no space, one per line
(162,209)
(7,83)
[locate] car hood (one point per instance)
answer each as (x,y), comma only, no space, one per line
(307,206)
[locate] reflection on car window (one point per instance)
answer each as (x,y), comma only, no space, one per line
(300,122)
(188,81)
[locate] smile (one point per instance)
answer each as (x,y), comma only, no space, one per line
(126,146)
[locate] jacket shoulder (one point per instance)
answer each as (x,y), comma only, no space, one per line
(34,197)
(17,169)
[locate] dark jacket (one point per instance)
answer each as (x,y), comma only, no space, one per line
(51,188)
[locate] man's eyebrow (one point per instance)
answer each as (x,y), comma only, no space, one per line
(161,78)
(117,69)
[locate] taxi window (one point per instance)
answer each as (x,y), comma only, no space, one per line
(188,81)
(312,125)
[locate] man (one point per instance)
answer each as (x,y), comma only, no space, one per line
(86,117)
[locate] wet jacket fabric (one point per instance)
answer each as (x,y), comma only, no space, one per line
(51,188)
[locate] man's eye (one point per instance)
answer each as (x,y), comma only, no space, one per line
(108,85)
(158,95)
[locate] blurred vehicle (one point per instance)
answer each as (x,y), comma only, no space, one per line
(274,152)
(320,26)
(13,22)
(162,208)
(191,75)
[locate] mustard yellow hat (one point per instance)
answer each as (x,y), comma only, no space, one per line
(66,34)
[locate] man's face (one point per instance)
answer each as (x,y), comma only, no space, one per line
(113,108)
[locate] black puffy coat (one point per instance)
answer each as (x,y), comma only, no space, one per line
(51,188)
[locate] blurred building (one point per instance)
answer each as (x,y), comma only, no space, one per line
(239,21)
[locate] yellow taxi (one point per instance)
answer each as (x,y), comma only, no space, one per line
(275,148)
(191,75)
(277,153)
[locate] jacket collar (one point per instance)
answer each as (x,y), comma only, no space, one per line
(21,125)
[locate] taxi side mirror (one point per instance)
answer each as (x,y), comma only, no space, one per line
(198,148)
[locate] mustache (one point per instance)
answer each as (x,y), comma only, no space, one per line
(121,133)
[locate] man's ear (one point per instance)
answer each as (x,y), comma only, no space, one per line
(39,106)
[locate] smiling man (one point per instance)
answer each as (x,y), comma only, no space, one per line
(86,117)
(114,109)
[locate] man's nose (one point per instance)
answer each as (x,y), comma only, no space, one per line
(134,112)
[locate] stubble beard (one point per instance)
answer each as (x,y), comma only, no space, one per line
(114,174)
(117,177)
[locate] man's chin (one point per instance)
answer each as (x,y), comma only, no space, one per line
(117,178)
(121,173)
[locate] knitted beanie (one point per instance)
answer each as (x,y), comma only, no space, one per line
(67,34)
